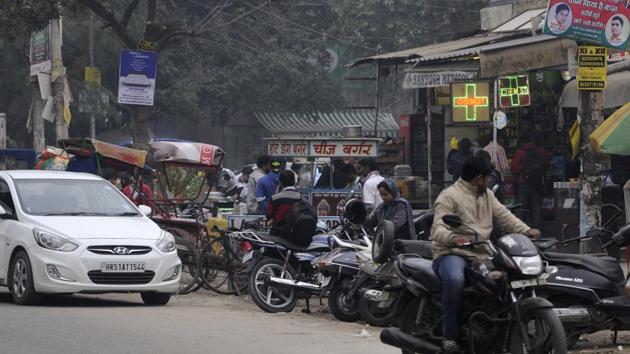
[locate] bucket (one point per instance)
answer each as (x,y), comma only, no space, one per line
(352,131)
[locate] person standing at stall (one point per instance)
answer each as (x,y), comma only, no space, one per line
(529,166)
(268,185)
(456,159)
(371,180)
(261,170)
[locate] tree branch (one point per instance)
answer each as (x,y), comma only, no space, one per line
(151,8)
(107,16)
(128,12)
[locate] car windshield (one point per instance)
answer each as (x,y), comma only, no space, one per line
(72,197)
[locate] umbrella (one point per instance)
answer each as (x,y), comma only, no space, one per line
(612,136)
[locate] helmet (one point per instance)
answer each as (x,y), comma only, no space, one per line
(355,211)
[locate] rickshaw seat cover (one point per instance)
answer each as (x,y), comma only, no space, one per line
(127,155)
(186,152)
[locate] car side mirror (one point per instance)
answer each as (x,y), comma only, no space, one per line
(145,210)
(453,220)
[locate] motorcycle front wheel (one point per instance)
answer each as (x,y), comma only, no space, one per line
(374,313)
(545,333)
(343,307)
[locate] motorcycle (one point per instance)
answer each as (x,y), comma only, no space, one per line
(501,309)
(589,292)
(283,270)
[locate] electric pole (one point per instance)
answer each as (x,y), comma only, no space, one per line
(92,89)
(57,77)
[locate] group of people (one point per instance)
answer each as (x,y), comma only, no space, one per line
(127,185)
(529,167)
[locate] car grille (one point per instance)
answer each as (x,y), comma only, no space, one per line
(98,277)
(111,250)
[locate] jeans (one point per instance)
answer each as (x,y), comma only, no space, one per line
(450,269)
(532,199)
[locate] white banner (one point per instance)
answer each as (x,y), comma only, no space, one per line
(414,80)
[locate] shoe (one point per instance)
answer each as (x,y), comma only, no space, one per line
(450,346)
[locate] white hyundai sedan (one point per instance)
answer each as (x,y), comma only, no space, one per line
(66,232)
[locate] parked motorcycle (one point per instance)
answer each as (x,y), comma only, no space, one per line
(589,292)
(501,310)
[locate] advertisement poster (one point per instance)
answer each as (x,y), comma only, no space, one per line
(136,82)
(592,68)
(603,22)
(40,51)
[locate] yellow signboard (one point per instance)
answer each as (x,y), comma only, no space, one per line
(592,66)
(471,102)
(146,45)
(93,76)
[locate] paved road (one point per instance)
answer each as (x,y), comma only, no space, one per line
(198,323)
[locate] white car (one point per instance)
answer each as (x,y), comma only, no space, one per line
(66,232)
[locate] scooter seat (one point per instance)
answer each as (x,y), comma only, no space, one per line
(420,247)
(421,270)
(605,266)
(284,242)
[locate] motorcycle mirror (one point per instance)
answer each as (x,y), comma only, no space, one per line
(453,220)
(495,189)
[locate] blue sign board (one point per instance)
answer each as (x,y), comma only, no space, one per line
(136,82)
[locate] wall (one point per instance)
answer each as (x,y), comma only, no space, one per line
(501,11)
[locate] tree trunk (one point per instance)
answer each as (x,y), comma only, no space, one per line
(590,109)
(139,127)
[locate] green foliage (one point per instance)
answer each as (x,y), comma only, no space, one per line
(21,17)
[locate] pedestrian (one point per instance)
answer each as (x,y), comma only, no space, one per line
(371,178)
(268,185)
(130,190)
(395,209)
(351,176)
(529,166)
(496,152)
(282,203)
(261,170)
(456,158)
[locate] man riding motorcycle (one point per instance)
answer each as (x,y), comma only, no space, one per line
(470,199)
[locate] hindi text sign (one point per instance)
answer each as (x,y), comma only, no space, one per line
(600,22)
(592,66)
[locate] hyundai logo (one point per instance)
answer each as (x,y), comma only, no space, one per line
(121,250)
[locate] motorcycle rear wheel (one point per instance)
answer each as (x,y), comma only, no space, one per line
(544,330)
(269,297)
(426,327)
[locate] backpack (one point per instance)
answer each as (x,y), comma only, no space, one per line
(534,168)
(300,224)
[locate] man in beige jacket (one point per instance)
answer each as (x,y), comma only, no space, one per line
(470,199)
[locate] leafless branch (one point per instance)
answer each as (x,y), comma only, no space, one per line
(128,12)
(109,18)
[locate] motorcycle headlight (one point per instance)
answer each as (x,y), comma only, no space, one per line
(166,243)
(529,265)
(53,242)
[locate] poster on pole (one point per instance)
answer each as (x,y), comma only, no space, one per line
(136,82)
(603,22)
(592,68)
(40,52)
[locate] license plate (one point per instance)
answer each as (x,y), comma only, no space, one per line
(247,256)
(518,284)
(122,267)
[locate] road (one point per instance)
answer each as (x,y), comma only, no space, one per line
(197,323)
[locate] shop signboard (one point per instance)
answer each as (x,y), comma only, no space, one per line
(414,80)
(514,91)
(471,101)
(136,82)
(40,51)
(602,22)
(592,66)
(323,148)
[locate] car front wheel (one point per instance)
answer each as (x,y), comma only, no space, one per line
(155,299)
(21,283)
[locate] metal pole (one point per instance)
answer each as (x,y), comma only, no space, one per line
(39,139)
(57,78)
(92,91)
(496,108)
(378,94)
(3,131)
(429,149)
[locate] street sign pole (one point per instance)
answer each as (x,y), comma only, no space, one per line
(91,50)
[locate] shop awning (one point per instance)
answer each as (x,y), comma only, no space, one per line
(616,94)
(327,124)
(403,56)
(441,74)
(611,137)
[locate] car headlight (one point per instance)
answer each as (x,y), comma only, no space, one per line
(529,265)
(166,243)
(53,242)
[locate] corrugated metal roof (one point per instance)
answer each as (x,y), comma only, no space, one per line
(327,124)
(436,49)
(463,65)
(521,22)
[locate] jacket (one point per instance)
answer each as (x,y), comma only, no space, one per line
(477,212)
(265,188)
(254,178)
(398,211)
(518,162)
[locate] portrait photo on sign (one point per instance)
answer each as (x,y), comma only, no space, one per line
(617,30)
(559,18)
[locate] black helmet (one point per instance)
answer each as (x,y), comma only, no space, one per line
(355,211)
